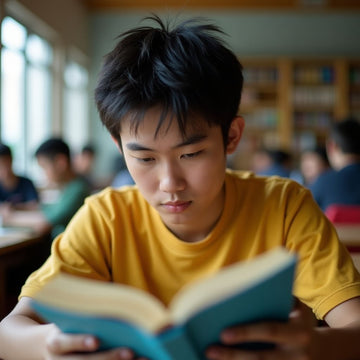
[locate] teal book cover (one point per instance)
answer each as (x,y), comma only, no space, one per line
(242,293)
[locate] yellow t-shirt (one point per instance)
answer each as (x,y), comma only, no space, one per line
(116,236)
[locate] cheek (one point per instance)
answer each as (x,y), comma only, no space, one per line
(50,175)
(145,178)
(208,176)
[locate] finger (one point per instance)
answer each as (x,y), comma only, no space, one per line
(115,354)
(60,343)
(272,332)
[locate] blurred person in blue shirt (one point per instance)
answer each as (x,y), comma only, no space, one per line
(313,162)
(342,185)
(16,191)
(268,162)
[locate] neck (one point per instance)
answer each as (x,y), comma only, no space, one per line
(349,159)
(195,235)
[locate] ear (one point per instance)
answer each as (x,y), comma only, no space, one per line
(235,132)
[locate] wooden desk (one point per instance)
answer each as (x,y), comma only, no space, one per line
(12,239)
(350,236)
(18,247)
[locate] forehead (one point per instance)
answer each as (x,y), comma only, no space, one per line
(154,125)
(311,156)
(5,160)
(45,161)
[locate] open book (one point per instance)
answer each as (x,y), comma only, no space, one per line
(120,315)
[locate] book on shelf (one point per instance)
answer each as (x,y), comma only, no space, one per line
(123,316)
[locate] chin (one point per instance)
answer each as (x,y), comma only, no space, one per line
(176,219)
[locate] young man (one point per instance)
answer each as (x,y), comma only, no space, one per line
(341,186)
(54,157)
(17,192)
(169,99)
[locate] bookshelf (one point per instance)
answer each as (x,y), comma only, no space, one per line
(314,102)
(290,103)
(259,107)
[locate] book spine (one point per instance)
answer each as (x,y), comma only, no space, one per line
(177,344)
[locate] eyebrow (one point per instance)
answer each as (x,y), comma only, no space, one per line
(194,139)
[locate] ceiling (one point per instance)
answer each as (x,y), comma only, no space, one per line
(317,5)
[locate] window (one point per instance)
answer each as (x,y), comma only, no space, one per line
(26,92)
(76,119)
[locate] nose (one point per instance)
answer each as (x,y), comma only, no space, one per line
(171,178)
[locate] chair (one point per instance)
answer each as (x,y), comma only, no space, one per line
(346,219)
(343,214)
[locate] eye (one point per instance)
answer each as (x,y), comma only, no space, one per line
(191,155)
(145,160)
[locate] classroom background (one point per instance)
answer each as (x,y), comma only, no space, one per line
(301,63)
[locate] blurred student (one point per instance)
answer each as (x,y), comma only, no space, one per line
(15,191)
(313,162)
(54,158)
(342,185)
(84,163)
(122,176)
(268,162)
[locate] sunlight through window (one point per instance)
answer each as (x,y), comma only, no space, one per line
(26,82)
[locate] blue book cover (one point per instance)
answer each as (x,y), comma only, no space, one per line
(121,316)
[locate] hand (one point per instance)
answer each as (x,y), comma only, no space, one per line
(293,340)
(60,346)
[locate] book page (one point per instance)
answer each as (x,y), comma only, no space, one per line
(228,281)
(86,296)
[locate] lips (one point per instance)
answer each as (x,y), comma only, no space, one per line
(176,206)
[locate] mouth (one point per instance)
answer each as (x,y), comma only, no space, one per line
(176,206)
